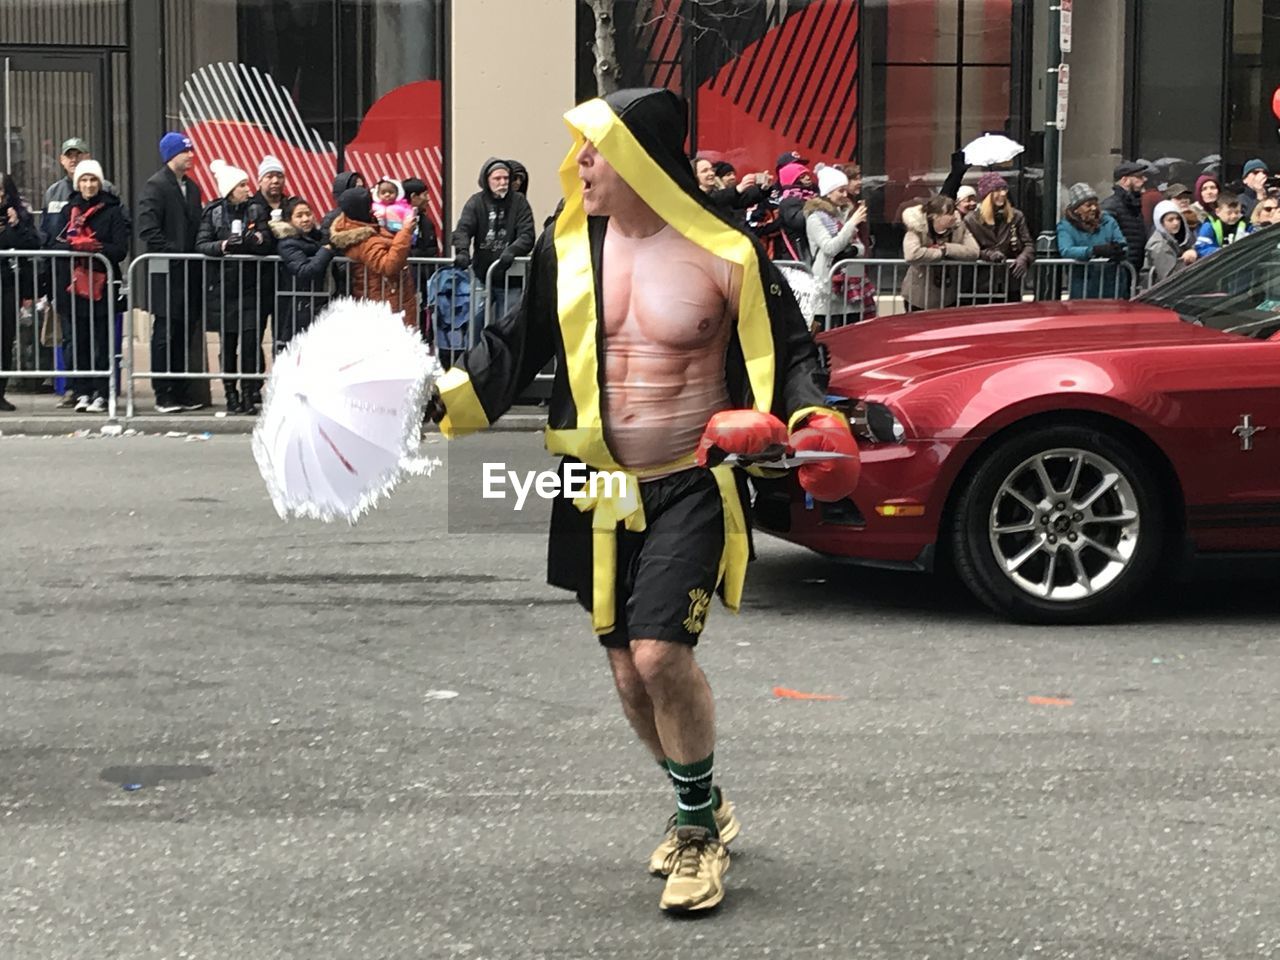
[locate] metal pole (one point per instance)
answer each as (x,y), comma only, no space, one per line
(1052,136)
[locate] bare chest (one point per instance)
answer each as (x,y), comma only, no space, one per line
(665,292)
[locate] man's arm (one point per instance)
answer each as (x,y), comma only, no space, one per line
(488,378)
(525,233)
(466,228)
(150,228)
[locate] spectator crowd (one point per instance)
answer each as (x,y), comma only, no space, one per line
(212,275)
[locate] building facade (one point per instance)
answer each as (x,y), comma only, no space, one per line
(430,88)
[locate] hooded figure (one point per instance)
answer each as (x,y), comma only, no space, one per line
(379,259)
(498,224)
(654,290)
(1166,251)
(341,184)
(519,177)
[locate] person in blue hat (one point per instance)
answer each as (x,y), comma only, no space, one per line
(168,221)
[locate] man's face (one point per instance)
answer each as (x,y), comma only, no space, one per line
(1183,202)
(272,186)
(1230,215)
(70,159)
(1256,180)
(418,200)
(1134,182)
(603,189)
(730,179)
(499,182)
(182,162)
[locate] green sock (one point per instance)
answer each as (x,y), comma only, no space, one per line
(695,797)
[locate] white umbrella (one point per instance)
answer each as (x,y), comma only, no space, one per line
(991,149)
(343,413)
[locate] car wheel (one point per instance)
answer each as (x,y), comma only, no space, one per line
(1059,525)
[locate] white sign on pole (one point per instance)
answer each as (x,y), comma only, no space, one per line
(1064,33)
(1064,96)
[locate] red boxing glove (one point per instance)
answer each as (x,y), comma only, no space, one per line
(745,432)
(828,480)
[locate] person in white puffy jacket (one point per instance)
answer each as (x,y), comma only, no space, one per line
(831,222)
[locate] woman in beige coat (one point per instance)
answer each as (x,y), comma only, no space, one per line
(935,233)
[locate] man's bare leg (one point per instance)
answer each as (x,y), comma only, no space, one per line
(636,705)
(684,711)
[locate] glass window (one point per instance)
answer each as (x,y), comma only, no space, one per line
(321,84)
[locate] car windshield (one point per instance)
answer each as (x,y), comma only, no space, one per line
(1236,290)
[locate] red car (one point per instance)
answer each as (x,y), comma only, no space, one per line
(1061,455)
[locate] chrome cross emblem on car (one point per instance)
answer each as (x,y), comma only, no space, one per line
(1245,430)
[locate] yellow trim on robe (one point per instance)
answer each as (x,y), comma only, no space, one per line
(579,326)
(464,413)
(596,122)
(608,509)
(803,412)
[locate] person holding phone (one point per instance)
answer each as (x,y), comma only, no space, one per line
(238,294)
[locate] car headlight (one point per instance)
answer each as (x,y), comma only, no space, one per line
(876,422)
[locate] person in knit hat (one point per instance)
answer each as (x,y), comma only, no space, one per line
(966,200)
(1086,233)
(1003,238)
(271,184)
(799,186)
(95,223)
(831,223)
(168,222)
(239,294)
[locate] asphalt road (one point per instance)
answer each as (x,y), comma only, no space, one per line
(305,790)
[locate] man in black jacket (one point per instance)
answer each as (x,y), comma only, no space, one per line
(168,220)
(1125,204)
(498,222)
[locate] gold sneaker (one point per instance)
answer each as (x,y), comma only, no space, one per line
(695,872)
(726,822)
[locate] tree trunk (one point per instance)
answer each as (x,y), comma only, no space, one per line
(606,48)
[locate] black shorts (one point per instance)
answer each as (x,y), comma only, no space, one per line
(666,574)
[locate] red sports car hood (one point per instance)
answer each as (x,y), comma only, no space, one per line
(895,351)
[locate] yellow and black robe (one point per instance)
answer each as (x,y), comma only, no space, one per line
(771,363)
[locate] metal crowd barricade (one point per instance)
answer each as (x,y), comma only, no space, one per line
(73,293)
(1063,279)
(189,296)
(861,289)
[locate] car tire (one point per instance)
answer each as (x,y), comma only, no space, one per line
(1060,558)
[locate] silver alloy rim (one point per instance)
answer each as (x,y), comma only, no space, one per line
(1064,525)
